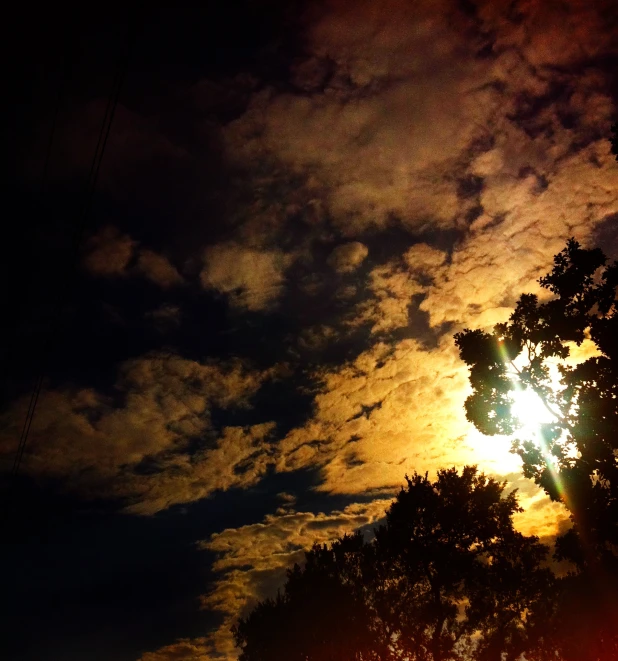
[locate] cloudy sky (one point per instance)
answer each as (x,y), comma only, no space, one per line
(299,204)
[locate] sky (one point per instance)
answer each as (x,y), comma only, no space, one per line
(298,206)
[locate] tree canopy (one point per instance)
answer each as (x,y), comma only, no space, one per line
(574,457)
(445,575)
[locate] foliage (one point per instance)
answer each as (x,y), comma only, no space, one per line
(320,615)
(575,457)
(446,574)
(582,624)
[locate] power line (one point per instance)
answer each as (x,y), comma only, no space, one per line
(39,204)
(82,218)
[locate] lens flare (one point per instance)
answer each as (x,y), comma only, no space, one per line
(532,413)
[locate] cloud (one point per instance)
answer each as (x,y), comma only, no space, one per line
(108,252)
(158,269)
(389,296)
(512,244)
(379,131)
(393,409)
(252,279)
(393,103)
(552,34)
(197,649)
(457,127)
(239,458)
(392,287)
(423,259)
(348,256)
(479,131)
(99,448)
(251,565)
(252,560)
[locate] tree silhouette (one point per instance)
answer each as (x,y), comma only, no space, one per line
(452,542)
(446,575)
(575,456)
(582,623)
(322,613)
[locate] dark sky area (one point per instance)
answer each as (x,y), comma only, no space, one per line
(246,331)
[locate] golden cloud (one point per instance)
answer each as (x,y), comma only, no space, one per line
(251,278)
(252,560)
(347,257)
(512,244)
(197,649)
(167,401)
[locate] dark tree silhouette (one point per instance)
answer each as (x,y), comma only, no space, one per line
(451,543)
(582,623)
(445,576)
(575,457)
(322,613)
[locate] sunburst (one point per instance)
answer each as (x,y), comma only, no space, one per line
(530,410)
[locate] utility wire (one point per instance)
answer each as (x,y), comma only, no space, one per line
(82,218)
(39,205)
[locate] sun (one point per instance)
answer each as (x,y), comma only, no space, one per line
(531,413)
(528,408)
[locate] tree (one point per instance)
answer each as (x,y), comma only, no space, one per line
(582,622)
(574,458)
(445,575)
(322,613)
(467,578)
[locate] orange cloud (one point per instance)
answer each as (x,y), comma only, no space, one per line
(251,278)
(78,435)
(347,257)
(197,649)
(252,560)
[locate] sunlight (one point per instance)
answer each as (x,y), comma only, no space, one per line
(494,451)
(529,409)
